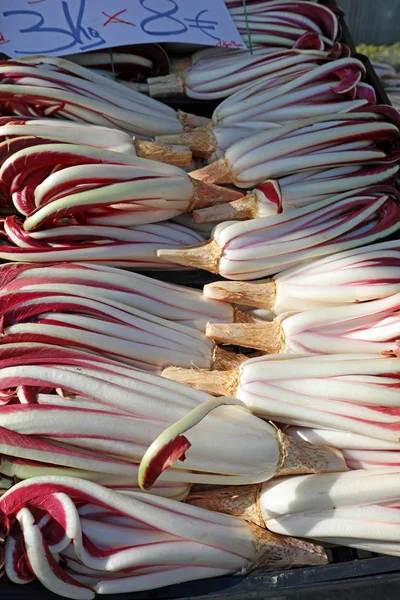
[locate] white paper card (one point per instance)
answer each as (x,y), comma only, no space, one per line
(60,27)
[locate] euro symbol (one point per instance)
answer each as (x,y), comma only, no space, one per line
(203,24)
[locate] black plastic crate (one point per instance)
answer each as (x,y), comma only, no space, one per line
(358,576)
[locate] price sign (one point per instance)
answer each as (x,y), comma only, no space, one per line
(59,27)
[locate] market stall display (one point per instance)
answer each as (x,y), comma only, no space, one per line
(125,398)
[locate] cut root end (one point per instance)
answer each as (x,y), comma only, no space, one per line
(257,295)
(201,141)
(202,256)
(223,360)
(240,316)
(266,337)
(244,208)
(299,457)
(206,194)
(168,85)
(178,155)
(217,172)
(238,500)
(272,551)
(215,383)
(275,552)
(190,121)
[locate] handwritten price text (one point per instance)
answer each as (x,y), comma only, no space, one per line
(61,27)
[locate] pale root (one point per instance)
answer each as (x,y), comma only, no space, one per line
(190,121)
(276,552)
(244,208)
(223,380)
(241,501)
(178,155)
(217,172)
(299,457)
(202,256)
(263,336)
(206,194)
(215,383)
(255,294)
(167,85)
(223,360)
(201,141)
(239,316)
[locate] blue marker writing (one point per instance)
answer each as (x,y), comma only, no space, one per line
(172,25)
(203,24)
(78,34)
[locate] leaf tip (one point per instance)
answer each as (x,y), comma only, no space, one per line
(169,453)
